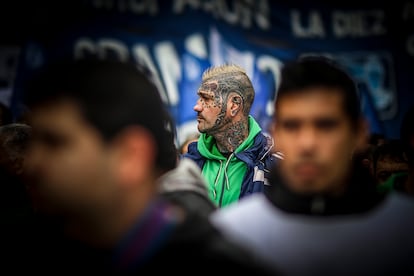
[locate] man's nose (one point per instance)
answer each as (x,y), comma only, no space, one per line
(307,138)
(198,107)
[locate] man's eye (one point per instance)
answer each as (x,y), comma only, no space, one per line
(49,140)
(205,97)
(327,124)
(290,125)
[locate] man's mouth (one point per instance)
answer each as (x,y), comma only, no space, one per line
(307,170)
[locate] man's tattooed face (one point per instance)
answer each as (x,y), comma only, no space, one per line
(211,107)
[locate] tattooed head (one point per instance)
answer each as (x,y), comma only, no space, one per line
(225,91)
(224,79)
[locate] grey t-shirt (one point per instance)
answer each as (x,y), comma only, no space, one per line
(378,242)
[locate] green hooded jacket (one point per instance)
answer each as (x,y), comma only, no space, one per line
(225,175)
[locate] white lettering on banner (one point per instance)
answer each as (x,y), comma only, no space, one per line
(344,24)
(263,14)
(243,58)
(358,23)
(103,48)
(410,45)
(83,47)
(170,68)
(107,46)
(142,55)
(195,45)
(242,12)
(314,25)
(134,6)
(166,67)
(272,64)
(222,52)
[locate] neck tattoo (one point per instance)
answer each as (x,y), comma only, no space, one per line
(232,137)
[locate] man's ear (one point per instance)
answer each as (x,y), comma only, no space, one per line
(136,153)
(235,103)
(273,131)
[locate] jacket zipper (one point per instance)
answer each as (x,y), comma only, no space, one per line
(225,180)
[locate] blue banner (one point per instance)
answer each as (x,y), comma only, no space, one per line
(178,40)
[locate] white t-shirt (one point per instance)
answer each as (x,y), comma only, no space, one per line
(378,242)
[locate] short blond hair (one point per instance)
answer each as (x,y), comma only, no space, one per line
(223,69)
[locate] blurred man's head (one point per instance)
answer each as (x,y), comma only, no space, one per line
(99,136)
(317,125)
(226,94)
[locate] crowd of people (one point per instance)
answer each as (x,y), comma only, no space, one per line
(93,181)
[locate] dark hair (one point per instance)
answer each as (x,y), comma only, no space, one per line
(111,95)
(407,134)
(320,71)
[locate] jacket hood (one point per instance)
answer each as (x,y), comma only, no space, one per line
(186,176)
(207,144)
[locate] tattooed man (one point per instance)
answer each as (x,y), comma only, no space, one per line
(232,150)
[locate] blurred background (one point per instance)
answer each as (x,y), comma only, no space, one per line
(178,39)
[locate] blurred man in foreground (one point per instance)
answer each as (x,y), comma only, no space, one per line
(322,214)
(100,144)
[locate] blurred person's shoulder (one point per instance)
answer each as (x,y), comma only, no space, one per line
(199,243)
(186,187)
